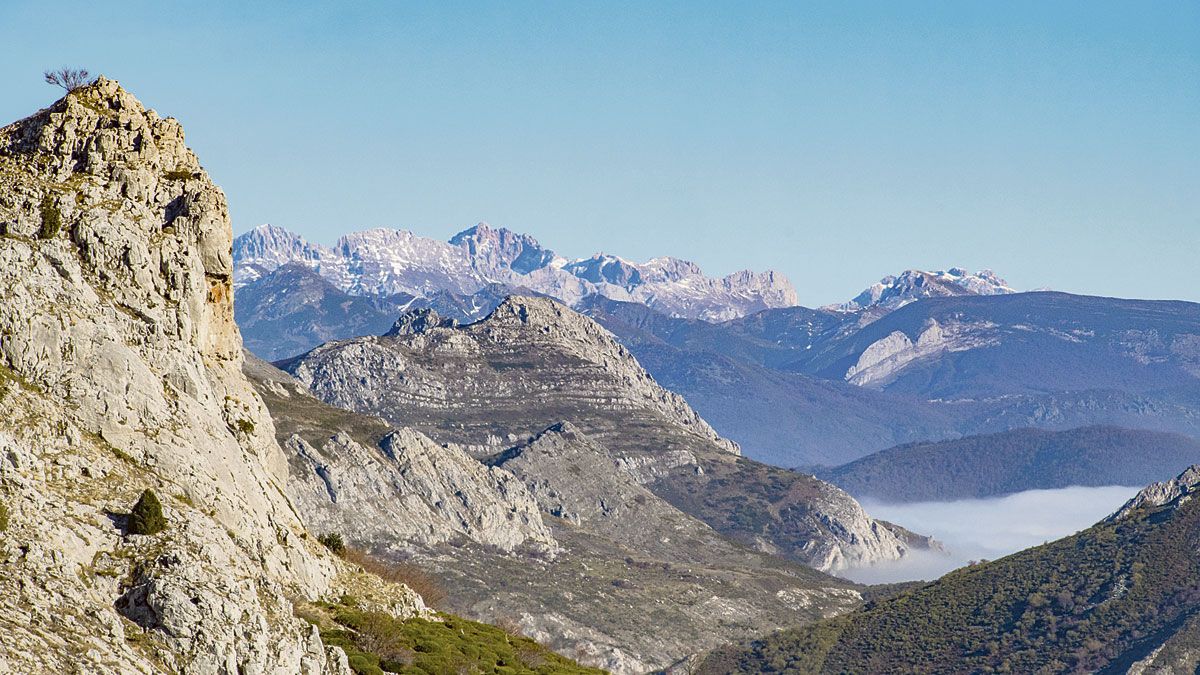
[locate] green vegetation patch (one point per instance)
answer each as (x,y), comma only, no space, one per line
(3,517)
(334,542)
(377,643)
(147,516)
(51,219)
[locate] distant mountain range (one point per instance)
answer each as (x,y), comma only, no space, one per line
(383,263)
(798,386)
(920,356)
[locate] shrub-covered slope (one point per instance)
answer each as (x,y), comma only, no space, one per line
(1123,592)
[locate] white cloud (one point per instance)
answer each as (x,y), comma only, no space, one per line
(991,528)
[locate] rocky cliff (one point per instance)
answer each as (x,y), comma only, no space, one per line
(119,371)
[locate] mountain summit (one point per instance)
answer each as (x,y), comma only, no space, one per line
(893,292)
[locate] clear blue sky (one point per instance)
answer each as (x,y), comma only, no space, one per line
(1056,142)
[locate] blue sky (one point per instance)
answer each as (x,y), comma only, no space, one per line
(1056,142)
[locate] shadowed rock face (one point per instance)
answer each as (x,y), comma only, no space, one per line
(533,363)
(120,370)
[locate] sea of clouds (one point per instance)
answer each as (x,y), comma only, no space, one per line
(974,529)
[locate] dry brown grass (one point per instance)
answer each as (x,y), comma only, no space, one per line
(399,572)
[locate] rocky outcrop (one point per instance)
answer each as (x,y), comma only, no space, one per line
(1178,489)
(575,479)
(383,262)
(883,359)
(120,370)
(533,360)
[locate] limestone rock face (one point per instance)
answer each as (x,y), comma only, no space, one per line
(575,479)
(120,370)
(881,361)
(446,369)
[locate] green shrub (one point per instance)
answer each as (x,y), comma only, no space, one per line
(147,516)
(178,174)
(51,219)
(333,541)
(3,517)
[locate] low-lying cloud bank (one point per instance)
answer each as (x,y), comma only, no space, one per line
(974,529)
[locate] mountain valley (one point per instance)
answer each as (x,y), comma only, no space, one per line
(396,454)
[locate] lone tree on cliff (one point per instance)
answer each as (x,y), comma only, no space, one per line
(68,78)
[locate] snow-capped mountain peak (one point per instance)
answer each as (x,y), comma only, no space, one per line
(893,292)
(382,262)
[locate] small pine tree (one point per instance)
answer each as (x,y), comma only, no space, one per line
(147,516)
(333,542)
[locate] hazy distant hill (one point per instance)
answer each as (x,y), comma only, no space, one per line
(1012,461)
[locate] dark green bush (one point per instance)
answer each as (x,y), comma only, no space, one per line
(333,541)
(147,516)
(178,174)
(51,219)
(3,517)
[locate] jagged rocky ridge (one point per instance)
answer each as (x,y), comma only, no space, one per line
(120,370)
(382,262)
(386,487)
(600,575)
(534,363)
